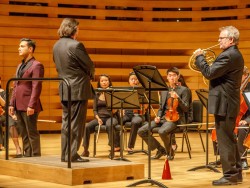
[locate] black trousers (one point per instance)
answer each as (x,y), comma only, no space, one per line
(227,144)
(29,133)
(78,119)
(90,128)
(166,128)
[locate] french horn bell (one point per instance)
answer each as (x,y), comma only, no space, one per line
(209,56)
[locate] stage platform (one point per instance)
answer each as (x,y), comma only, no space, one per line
(51,169)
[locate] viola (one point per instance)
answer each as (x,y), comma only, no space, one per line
(172,114)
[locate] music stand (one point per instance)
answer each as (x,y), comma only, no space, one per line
(122,100)
(150,79)
(203,96)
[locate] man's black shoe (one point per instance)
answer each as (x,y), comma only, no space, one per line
(78,160)
(224,181)
(244,165)
(81,160)
(159,154)
(215,163)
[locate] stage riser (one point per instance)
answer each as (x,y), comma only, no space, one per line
(105,171)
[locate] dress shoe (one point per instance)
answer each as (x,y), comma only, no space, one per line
(244,165)
(215,163)
(79,160)
(18,156)
(159,154)
(224,181)
(85,154)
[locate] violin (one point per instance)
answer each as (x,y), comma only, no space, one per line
(172,114)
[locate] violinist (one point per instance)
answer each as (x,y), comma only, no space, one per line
(174,103)
(189,115)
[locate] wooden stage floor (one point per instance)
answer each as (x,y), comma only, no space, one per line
(179,167)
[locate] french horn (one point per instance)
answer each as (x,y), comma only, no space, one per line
(209,56)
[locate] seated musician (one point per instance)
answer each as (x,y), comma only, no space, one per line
(14,133)
(130,116)
(167,124)
(244,122)
(102,116)
(242,135)
(189,114)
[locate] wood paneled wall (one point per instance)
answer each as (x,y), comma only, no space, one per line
(118,36)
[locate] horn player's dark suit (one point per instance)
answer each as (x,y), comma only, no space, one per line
(224,101)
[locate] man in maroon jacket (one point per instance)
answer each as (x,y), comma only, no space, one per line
(26,98)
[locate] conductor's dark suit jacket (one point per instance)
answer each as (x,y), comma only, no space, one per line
(76,67)
(225,80)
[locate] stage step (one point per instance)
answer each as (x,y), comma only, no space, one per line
(51,169)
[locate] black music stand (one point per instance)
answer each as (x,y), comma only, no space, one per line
(203,96)
(122,100)
(150,79)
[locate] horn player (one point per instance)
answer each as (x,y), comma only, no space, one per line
(224,100)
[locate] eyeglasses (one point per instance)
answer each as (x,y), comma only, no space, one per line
(220,38)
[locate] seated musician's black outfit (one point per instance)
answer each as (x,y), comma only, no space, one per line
(100,109)
(136,121)
(166,127)
(242,134)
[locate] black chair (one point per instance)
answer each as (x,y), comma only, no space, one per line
(195,125)
(184,136)
(197,119)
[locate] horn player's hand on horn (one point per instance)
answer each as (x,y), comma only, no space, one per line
(197,52)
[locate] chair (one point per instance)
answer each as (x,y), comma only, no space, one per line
(184,137)
(195,125)
(197,118)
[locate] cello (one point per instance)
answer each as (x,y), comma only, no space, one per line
(243,105)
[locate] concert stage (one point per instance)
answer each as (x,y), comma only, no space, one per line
(51,169)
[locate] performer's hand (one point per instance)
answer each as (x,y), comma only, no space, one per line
(99,121)
(157,119)
(11,110)
(14,117)
(173,94)
(242,122)
(197,52)
(30,111)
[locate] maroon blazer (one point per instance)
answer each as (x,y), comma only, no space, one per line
(26,93)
